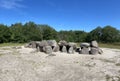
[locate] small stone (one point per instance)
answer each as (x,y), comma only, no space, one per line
(100,51)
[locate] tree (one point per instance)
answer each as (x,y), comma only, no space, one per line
(48,32)
(110,34)
(32,32)
(17,33)
(73,36)
(80,36)
(95,34)
(4,34)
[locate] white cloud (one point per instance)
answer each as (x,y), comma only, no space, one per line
(11,4)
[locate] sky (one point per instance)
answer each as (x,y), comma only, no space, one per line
(83,15)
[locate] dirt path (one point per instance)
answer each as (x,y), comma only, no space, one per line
(27,65)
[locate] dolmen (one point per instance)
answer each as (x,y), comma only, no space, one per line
(67,47)
(90,48)
(95,48)
(50,46)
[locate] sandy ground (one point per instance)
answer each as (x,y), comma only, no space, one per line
(27,65)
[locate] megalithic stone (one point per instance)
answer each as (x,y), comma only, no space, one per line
(94,50)
(94,44)
(56,49)
(52,43)
(84,50)
(64,49)
(84,45)
(71,50)
(48,50)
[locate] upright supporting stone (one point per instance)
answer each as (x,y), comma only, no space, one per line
(64,49)
(84,50)
(56,49)
(71,50)
(94,51)
(48,49)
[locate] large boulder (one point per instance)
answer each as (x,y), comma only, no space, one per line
(62,43)
(64,49)
(84,50)
(48,49)
(94,44)
(56,48)
(31,44)
(71,50)
(52,43)
(43,43)
(94,51)
(84,45)
(72,44)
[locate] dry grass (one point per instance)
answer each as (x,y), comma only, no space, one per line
(11,44)
(113,45)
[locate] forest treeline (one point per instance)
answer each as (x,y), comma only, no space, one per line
(21,33)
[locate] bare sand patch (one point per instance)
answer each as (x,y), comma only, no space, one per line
(26,64)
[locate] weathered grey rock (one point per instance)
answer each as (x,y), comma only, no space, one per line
(72,44)
(84,50)
(94,50)
(33,44)
(100,51)
(26,45)
(43,43)
(77,49)
(52,43)
(56,49)
(48,49)
(71,50)
(94,44)
(38,49)
(64,49)
(84,45)
(62,43)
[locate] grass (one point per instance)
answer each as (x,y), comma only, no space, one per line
(108,45)
(11,44)
(1,54)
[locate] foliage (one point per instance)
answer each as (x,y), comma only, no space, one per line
(107,34)
(110,34)
(21,33)
(95,34)
(48,32)
(5,34)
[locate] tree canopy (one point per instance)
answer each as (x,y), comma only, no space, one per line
(30,31)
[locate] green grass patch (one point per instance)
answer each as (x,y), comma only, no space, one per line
(1,55)
(108,45)
(11,44)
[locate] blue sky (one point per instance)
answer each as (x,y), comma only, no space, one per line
(62,14)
